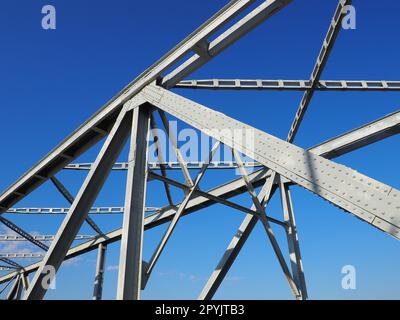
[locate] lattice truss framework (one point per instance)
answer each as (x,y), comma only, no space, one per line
(279,164)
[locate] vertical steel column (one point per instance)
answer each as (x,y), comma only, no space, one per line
(25,280)
(81,205)
(20,287)
(130,265)
(293,240)
(99,278)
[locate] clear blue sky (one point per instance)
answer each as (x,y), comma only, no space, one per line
(51,81)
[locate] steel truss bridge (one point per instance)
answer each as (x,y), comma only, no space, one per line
(279,164)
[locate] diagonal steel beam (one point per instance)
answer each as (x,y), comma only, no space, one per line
(68,196)
(336,183)
(262,216)
(14,289)
(198,192)
(322,59)
(178,153)
(11,263)
(236,243)
(82,203)
(23,233)
(160,156)
(210,50)
(178,213)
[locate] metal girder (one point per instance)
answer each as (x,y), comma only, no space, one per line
(130,261)
(171,165)
(100,210)
(95,128)
(99,277)
(82,203)
(23,233)
(11,263)
(227,38)
(41,237)
(367,134)
(5,268)
(336,183)
(297,85)
(319,66)
(21,255)
(78,250)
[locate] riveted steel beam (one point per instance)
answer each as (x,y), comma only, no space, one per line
(336,183)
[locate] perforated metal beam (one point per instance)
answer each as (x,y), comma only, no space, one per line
(296,85)
(170,165)
(99,210)
(21,255)
(11,263)
(41,237)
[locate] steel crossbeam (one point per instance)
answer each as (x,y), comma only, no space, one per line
(296,85)
(52,211)
(41,237)
(21,255)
